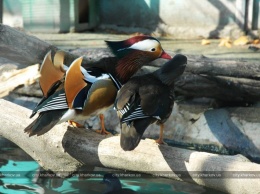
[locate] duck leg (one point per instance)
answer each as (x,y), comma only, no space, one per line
(103,130)
(160,139)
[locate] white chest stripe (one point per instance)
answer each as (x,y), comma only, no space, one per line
(91,78)
(118,84)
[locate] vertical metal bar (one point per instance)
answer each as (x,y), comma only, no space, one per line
(256,15)
(1,11)
(93,13)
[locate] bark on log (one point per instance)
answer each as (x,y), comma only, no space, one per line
(225,80)
(25,49)
(65,149)
(226,89)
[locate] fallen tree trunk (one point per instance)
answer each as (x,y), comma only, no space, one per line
(25,49)
(64,150)
(225,80)
(225,89)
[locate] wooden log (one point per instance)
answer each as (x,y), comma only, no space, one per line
(225,80)
(228,90)
(64,150)
(22,48)
(25,49)
(12,79)
(222,88)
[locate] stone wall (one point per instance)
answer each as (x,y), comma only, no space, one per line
(180,19)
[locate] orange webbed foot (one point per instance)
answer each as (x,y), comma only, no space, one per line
(160,142)
(75,124)
(160,139)
(102,131)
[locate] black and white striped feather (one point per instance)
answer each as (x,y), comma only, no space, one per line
(142,98)
(57,100)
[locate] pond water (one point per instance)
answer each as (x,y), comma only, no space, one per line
(20,174)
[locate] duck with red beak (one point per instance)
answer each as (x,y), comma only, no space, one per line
(75,93)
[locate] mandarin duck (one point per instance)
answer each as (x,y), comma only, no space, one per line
(114,185)
(146,99)
(75,93)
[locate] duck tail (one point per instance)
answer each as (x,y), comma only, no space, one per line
(131,135)
(44,122)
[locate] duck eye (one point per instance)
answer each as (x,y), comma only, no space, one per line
(153,49)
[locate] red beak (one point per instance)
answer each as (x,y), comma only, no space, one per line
(164,55)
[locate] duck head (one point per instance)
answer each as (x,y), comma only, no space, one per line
(135,52)
(172,69)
